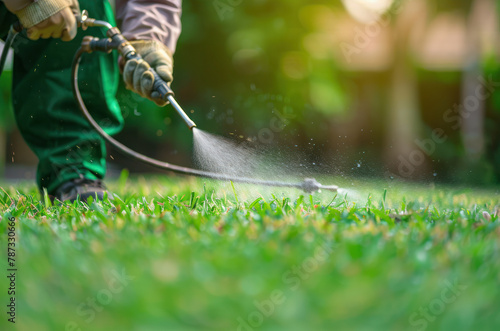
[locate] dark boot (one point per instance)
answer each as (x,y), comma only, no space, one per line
(82,188)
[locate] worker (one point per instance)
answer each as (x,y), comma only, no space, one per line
(72,157)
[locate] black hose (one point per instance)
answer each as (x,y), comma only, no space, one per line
(8,43)
(153,162)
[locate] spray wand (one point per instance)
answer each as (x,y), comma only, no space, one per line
(116,41)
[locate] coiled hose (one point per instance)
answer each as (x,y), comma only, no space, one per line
(117,41)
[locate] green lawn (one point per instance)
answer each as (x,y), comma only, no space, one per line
(186,254)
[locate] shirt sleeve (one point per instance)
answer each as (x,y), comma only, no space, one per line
(158,20)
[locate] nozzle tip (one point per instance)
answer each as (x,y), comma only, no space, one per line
(311,185)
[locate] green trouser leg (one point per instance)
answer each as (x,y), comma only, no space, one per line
(46,113)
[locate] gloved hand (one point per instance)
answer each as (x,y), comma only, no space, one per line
(47,18)
(136,74)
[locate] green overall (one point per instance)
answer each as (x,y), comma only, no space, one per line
(45,110)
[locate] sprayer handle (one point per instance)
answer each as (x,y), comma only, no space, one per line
(117,41)
(159,85)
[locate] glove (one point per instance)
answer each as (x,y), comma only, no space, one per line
(47,18)
(136,74)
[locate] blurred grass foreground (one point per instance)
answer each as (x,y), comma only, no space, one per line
(175,254)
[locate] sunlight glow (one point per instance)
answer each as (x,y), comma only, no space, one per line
(366,11)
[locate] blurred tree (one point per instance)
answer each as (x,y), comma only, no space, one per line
(473,123)
(403,117)
(472,127)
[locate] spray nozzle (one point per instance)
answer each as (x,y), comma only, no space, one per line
(310,185)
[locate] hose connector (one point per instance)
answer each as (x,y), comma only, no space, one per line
(87,22)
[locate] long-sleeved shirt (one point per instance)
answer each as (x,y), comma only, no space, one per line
(151,20)
(158,20)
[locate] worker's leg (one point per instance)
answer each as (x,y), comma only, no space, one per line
(46,112)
